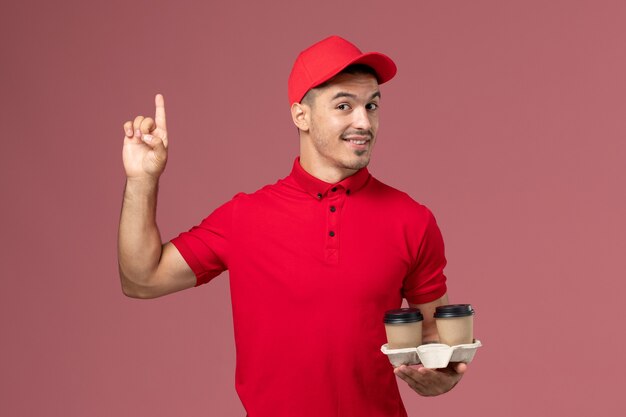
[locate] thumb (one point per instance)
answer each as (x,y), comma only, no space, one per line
(460,368)
(156,144)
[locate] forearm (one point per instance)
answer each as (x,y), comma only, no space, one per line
(429,327)
(139,240)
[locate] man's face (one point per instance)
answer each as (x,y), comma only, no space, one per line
(343,122)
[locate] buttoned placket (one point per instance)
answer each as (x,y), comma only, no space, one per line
(333,204)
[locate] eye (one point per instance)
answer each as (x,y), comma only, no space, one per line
(343,106)
(372,106)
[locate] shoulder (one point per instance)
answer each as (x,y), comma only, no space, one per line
(261,197)
(400,201)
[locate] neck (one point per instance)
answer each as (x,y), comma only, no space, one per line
(324,172)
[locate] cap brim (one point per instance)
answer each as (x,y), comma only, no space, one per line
(383,66)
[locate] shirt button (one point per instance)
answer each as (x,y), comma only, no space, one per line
(331,233)
(319,195)
(333,189)
(332,209)
(348,192)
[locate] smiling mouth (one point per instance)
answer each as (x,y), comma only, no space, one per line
(357,138)
(357,141)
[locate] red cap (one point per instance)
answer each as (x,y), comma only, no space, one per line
(327,58)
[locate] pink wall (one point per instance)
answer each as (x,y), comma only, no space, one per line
(506,119)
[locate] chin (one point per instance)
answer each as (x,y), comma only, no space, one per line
(358,164)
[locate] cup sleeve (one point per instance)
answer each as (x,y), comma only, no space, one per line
(426,281)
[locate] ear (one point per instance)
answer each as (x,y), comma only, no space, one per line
(300,114)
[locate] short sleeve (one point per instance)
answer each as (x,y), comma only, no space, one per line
(426,281)
(205,247)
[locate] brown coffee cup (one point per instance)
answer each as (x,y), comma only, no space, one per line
(404,328)
(455,324)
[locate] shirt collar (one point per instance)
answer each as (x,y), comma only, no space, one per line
(318,188)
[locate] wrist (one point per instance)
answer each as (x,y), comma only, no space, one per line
(142,190)
(146,182)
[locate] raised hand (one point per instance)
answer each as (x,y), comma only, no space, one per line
(145,144)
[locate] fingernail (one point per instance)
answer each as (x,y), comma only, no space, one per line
(129,132)
(138,133)
(147,138)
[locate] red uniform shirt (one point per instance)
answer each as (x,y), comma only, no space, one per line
(313,267)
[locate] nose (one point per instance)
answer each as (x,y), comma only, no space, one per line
(361,119)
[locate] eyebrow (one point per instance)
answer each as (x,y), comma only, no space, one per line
(353,96)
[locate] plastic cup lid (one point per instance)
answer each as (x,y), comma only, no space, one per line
(454,310)
(403,315)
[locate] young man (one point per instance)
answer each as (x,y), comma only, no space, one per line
(315,259)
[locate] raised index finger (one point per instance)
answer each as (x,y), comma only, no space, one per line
(159,116)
